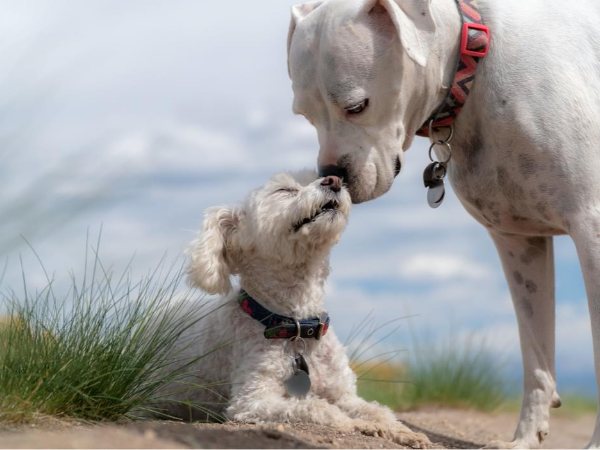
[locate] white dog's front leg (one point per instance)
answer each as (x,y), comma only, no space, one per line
(528,264)
(271,407)
(585,234)
(260,399)
(275,408)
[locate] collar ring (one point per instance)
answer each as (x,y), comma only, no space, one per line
(298,330)
(293,341)
(440,141)
(447,145)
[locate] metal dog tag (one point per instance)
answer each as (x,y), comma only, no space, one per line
(298,385)
(436,195)
(433,178)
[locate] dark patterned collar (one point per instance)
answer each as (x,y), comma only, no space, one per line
(475,43)
(281,327)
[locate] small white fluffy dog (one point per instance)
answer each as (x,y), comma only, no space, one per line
(278,243)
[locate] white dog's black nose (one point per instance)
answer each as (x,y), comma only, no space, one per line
(333,183)
(337,171)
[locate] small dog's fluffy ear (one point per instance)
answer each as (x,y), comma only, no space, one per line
(209,267)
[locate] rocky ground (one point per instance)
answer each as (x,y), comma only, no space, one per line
(446,428)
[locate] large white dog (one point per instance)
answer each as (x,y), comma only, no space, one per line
(526,151)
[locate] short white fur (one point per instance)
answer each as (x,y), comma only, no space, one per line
(526,147)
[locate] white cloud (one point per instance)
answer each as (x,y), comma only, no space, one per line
(258,118)
(574,337)
(439,267)
(176,147)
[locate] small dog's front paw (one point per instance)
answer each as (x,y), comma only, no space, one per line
(245,417)
(395,432)
(367,428)
(409,438)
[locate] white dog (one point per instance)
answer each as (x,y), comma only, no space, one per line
(278,243)
(526,150)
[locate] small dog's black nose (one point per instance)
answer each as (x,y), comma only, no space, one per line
(333,183)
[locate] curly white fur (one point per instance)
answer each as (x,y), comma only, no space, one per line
(285,270)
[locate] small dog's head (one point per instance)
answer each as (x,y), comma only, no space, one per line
(292,219)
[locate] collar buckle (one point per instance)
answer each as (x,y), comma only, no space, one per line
(467,40)
(320,329)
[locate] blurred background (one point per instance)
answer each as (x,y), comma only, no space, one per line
(135,116)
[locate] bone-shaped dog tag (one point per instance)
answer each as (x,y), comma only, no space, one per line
(299,383)
(433,178)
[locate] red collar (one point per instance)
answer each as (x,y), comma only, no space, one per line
(474,46)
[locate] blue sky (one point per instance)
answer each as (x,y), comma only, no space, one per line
(178,106)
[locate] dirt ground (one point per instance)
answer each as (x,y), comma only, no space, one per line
(478,428)
(446,428)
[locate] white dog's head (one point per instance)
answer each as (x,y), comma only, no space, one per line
(359,70)
(292,219)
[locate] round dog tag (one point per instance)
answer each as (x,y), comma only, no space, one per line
(436,194)
(298,384)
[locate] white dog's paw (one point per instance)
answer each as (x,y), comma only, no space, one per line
(512,444)
(530,437)
(502,444)
(395,432)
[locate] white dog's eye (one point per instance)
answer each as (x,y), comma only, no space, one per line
(357,109)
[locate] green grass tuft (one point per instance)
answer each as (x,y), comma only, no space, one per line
(573,405)
(459,374)
(97,353)
(576,405)
(455,374)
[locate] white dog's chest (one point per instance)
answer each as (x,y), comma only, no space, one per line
(518,165)
(516,172)
(518,190)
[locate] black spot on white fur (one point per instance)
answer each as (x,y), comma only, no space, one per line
(473,151)
(518,277)
(537,242)
(527,166)
(531,286)
(530,255)
(511,190)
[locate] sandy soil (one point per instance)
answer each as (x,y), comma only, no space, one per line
(178,435)
(445,427)
(480,428)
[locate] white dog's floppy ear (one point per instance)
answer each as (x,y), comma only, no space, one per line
(414,23)
(209,267)
(299,13)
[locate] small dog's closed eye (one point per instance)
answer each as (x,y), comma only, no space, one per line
(278,359)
